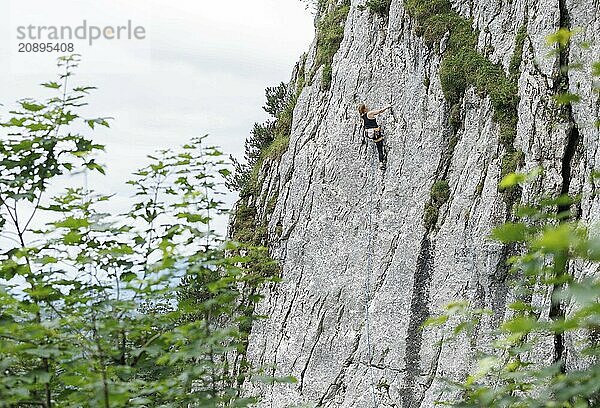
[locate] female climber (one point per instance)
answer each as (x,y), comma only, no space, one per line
(372,129)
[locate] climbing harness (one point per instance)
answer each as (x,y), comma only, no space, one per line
(368,287)
(375,135)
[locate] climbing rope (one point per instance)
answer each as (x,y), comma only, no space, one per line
(368,282)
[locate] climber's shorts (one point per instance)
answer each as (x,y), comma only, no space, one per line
(375,135)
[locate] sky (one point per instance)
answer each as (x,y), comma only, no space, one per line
(200,68)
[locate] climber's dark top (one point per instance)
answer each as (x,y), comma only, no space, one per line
(369,123)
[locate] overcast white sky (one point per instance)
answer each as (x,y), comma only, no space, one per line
(201,70)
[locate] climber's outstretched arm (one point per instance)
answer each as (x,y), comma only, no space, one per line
(375,112)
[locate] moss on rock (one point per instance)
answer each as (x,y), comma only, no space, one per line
(379,7)
(330,33)
(463,66)
(438,196)
(511,161)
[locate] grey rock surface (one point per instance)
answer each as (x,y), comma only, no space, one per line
(351,237)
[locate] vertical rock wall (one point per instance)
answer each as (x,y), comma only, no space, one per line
(350,234)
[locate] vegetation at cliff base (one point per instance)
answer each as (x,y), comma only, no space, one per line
(143,308)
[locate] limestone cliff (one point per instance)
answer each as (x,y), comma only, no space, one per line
(405,240)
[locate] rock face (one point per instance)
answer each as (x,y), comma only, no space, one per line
(361,269)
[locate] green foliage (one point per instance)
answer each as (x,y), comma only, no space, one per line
(379,7)
(517,58)
(596,69)
(511,161)
(244,224)
(567,98)
(250,228)
(41,144)
(440,192)
(455,116)
(276,97)
(268,140)
(91,312)
(463,66)
(439,195)
(561,38)
(553,247)
(278,147)
(508,374)
(330,33)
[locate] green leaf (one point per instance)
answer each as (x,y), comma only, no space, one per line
(92,165)
(521,306)
(512,180)
(37,127)
(32,107)
(52,85)
(561,37)
(98,121)
(44,292)
(561,201)
(10,268)
(73,223)
(128,276)
(47,260)
(521,324)
(510,232)
(527,211)
(194,217)
(436,321)
(73,380)
(84,89)
(72,238)
(15,122)
(567,98)
(461,327)
(557,239)
(485,365)
(286,380)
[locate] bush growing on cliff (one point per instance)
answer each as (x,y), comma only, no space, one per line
(379,7)
(267,140)
(91,314)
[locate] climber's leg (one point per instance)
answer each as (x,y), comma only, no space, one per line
(380,151)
